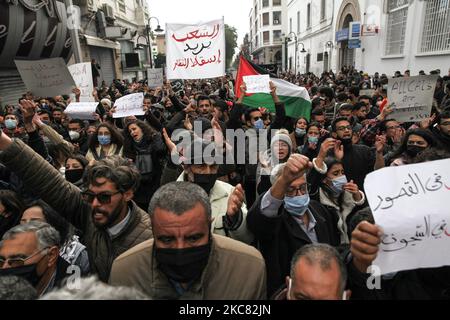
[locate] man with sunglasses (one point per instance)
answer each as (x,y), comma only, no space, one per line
(284,219)
(110,221)
(31,251)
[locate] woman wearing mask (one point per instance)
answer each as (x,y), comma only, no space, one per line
(11,209)
(146,148)
(299,134)
(71,249)
(75,166)
(106,141)
(311,146)
(279,152)
(414,142)
(329,186)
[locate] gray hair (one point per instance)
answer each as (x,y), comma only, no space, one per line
(16,288)
(92,289)
(46,235)
(116,169)
(178,197)
(323,255)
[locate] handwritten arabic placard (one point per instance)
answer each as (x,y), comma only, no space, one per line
(195,51)
(257,84)
(413,211)
(46,78)
(81,110)
(129,105)
(82,75)
(155,77)
(411,98)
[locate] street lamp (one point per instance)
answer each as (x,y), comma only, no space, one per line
(296,48)
(148,31)
(330,45)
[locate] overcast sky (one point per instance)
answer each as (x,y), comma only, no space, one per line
(191,11)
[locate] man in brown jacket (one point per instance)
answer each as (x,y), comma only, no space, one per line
(185,260)
(110,221)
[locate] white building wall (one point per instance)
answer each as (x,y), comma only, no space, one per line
(370,57)
(374,59)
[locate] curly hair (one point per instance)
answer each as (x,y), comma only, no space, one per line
(148,132)
(116,137)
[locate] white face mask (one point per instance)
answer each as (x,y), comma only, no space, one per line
(74,135)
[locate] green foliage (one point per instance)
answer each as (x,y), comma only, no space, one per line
(231,37)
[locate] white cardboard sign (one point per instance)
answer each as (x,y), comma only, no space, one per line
(413,211)
(129,105)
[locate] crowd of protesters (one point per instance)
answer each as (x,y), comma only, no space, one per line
(107,197)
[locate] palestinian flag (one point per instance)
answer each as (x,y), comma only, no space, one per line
(296,98)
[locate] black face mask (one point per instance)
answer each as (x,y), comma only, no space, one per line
(74,175)
(183,265)
(27,272)
(205,181)
(413,151)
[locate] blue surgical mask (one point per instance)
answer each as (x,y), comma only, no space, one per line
(297,205)
(300,132)
(10,124)
(104,140)
(259,124)
(313,140)
(338,184)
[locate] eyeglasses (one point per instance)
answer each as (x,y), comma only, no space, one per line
(343,128)
(393,127)
(257,118)
(18,262)
(302,189)
(103,198)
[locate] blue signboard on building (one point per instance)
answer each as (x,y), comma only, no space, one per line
(355,30)
(354,44)
(342,35)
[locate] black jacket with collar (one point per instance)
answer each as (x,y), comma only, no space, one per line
(280,237)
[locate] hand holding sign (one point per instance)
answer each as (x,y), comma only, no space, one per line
(129,105)
(412,209)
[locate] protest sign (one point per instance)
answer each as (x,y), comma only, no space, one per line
(412,209)
(82,75)
(155,77)
(366,92)
(411,98)
(177,86)
(129,105)
(46,78)
(195,51)
(257,84)
(81,110)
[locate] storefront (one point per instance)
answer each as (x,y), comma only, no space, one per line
(29,30)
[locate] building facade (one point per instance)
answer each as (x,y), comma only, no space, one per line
(267,21)
(372,35)
(113,32)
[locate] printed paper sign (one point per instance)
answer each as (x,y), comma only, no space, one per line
(411,98)
(46,78)
(81,110)
(129,105)
(257,84)
(410,204)
(196,51)
(155,77)
(82,75)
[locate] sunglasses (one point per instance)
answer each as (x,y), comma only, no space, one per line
(103,198)
(18,262)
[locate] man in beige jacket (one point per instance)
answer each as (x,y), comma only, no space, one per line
(185,260)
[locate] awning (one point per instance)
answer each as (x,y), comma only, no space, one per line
(98,42)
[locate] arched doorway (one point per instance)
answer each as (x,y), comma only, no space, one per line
(347,55)
(348,12)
